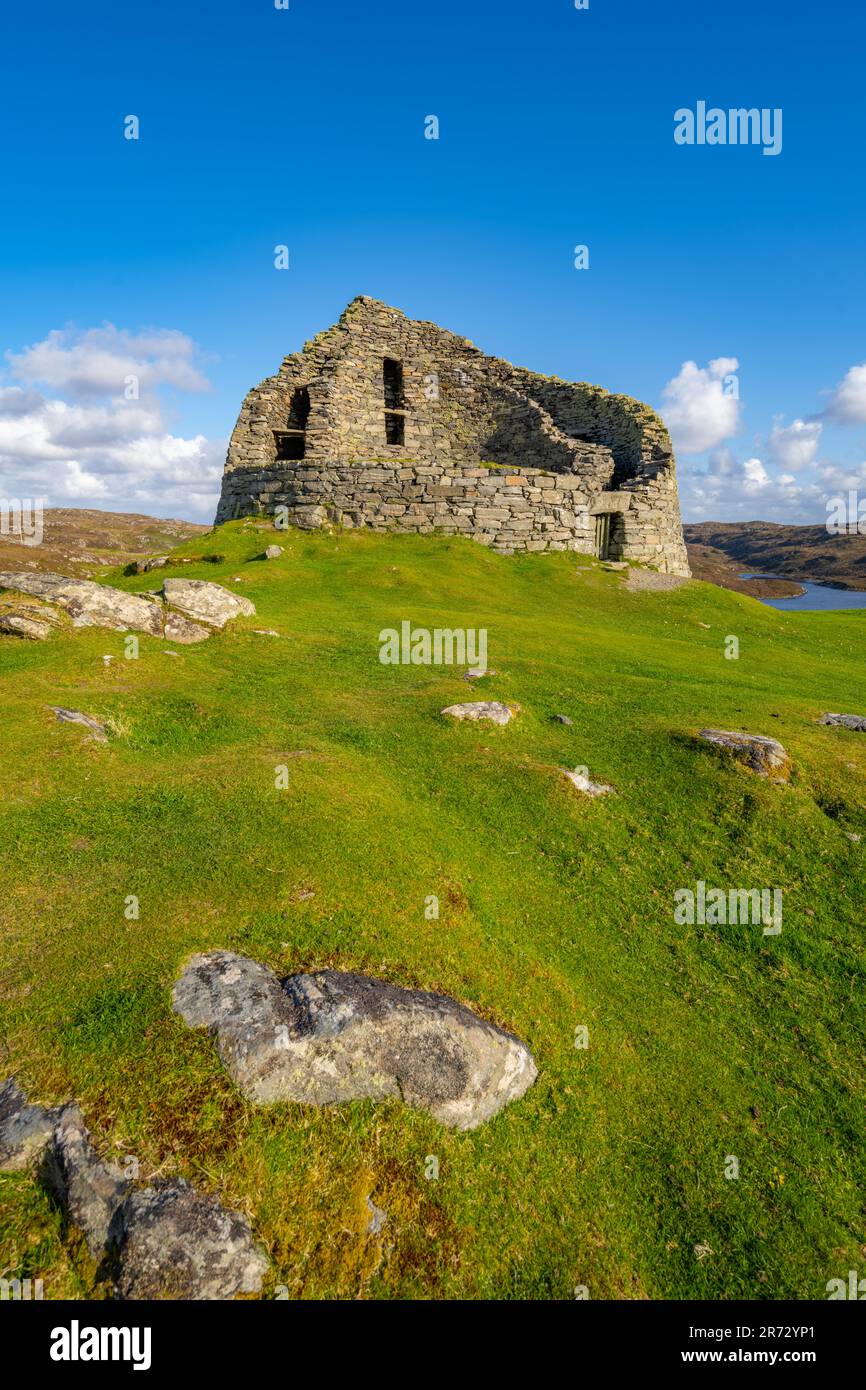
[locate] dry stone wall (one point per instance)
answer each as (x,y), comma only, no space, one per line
(397,425)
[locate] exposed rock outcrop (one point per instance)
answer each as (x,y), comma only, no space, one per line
(165,1240)
(855,722)
(583,784)
(25,1130)
(87,603)
(22,623)
(74,716)
(98,605)
(169,1241)
(493,710)
(88,1190)
(330,1037)
(761,754)
(205,602)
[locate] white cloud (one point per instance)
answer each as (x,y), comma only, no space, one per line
(848,401)
(839,478)
(99,361)
(96,448)
(730,490)
(755,476)
(700,409)
(794,446)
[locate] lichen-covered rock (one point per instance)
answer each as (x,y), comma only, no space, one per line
(761,754)
(493,710)
(89,1190)
(855,722)
(87,603)
(23,624)
(205,602)
(330,1037)
(169,1241)
(273,552)
(165,1240)
(25,1130)
(180,629)
(74,716)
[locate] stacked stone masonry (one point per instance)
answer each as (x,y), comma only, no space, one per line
(512,459)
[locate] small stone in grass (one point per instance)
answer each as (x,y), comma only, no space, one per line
(493,710)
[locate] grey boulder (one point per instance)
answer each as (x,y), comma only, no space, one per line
(330,1037)
(87,603)
(855,722)
(759,753)
(89,1190)
(180,629)
(169,1241)
(164,1240)
(205,602)
(25,1130)
(24,624)
(493,710)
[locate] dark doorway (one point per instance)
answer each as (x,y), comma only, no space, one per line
(602,535)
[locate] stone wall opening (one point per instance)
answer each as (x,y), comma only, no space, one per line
(395,422)
(299,409)
(395,428)
(602,535)
(392,376)
(290,444)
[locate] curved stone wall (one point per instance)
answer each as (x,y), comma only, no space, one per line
(514,459)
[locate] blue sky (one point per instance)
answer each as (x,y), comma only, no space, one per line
(305,127)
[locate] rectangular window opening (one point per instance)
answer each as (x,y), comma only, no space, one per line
(395,428)
(392,377)
(291,444)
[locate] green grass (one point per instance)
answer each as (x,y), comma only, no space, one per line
(555,911)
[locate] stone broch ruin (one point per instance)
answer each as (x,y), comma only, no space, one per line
(388,423)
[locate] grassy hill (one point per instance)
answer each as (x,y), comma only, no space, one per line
(556,911)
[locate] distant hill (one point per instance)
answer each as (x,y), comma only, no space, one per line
(79,542)
(719,551)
